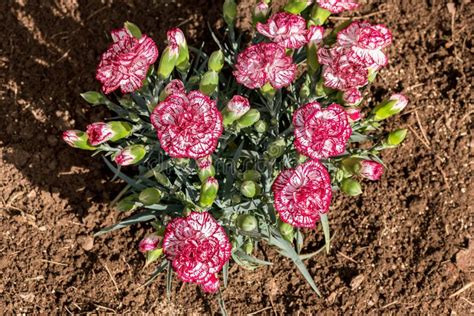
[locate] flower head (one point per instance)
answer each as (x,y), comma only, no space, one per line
(366,41)
(302,194)
(338,6)
(126,62)
(262,63)
(370,169)
(176,37)
(401,102)
(130,155)
(198,248)
(288,30)
(353,114)
(99,133)
(341,70)
(188,125)
(321,133)
(148,243)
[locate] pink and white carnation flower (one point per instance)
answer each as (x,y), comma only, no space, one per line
(286,29)
(321,132)
(367,42)
(198,248)
(341,70)
(99,133)
(338,6)
(264,63)
(174,86)
(371,170)
(302,194)
(126,62)
(352,96)
(188,125)
(315,35)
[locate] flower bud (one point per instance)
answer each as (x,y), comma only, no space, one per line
(127,204)
(130,155)
(351,165)
(395,138)
(205,173)
(353,114)
(235,109)
(248,247)
(99,133)
(297,6)
(150,196)
(133,29)
(77,139)
(371,170)
(260,12)
(174,86)
(168,61)
(261,126)
(249,189)
(93,97)
(176,37)
(119,130)
(252,175)
(153,255)
(208,192)
(351,187)
(352,97)
(249,118)
(286,230)
(277,148)
(247,222)
(148,243)
(230,12)
(319,15)
(216,61)
(209,82)
(392,106)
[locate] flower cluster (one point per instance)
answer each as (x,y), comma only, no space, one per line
(244,145)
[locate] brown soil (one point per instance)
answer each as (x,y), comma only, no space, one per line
(400,248)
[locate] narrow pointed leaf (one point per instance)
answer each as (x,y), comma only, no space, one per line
(327,234)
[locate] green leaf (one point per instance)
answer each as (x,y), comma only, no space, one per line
(251,259)
(133,29)
(93,97)
(327,235)
(155,273)
(221,302)
(225,273)
(169,278)
(137,218)
(124,177)
(153,255)
(289,251)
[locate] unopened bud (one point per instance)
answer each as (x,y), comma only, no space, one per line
(209,82)
(148,243)
(230,12)
(77,139)
(248,247)
(207,172)
(352,97)
(150,196)
(395,138)
(261,126)
(208,192)
(93,97)
(277,148)
(297,6)
(371,170)
(249,118)
(252,175)
(286,230)
(133,29)
(176,38)
(351,165)
(216,61)
(174,86)
(130,155)
(235,109)
(127,204)
(353,114)
(168,61)
(247,222)
(249,189)
(392,106)
(260,12)
(120,130)
(351,187)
